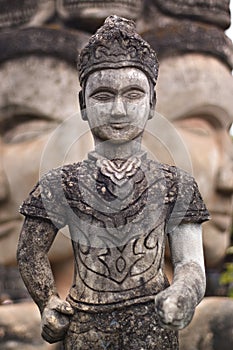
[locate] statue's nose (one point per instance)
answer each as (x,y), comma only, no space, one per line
(118,109)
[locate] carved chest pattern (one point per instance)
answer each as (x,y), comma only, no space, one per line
(119,234)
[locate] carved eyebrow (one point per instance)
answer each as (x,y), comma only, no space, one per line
(114,91)
(133,87)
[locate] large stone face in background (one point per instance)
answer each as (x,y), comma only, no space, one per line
(202,118)
(193,95)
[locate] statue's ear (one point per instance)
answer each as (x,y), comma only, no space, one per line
(152,105)
(82,105)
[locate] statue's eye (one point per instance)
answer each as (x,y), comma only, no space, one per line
(103,96)
(134,95)
(20,128)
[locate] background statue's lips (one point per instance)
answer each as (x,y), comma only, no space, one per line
(222,220)
(7,227)
(72,5)
(91,14)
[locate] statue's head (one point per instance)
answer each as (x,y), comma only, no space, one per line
(118,71)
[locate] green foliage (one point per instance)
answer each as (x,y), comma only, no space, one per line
(227,278)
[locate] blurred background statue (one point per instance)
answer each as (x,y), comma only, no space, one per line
(195,93)
(195,90)
(38,49)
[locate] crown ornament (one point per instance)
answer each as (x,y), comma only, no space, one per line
(115,45)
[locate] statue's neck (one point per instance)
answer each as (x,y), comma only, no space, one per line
(125,150)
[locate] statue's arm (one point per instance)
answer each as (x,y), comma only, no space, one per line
(176,305)
(35,240)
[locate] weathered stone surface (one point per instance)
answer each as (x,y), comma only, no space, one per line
(28,12)
(89,15)
(129,50)
(187,27)
(212,11)
(135,327)
(40,42)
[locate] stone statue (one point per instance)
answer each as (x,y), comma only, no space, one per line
(30,67)
(119,207)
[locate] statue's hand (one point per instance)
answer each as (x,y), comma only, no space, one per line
(174,310)
(56,319)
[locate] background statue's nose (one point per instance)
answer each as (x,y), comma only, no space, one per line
(4,185)
(118,109)
(225,177)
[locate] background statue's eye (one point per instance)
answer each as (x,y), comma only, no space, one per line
(198,125)
(24,127)
(134,95)
(231,131)
(103,96)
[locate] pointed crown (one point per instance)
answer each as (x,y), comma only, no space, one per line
(115,45)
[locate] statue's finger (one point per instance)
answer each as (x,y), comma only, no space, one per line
(50,336)
(64,308)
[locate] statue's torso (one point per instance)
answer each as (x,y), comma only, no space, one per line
(118,233)
(118,213)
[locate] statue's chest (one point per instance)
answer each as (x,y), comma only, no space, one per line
(117,226)
(113,205)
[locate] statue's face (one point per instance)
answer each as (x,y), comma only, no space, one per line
(36,95)
(195,93)
(117,104)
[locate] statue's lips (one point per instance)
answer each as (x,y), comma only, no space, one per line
(119,125)
(7,227)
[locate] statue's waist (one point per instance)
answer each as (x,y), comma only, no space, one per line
(84,297)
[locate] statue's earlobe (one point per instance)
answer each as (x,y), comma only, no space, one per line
(82,105)
(152,106)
